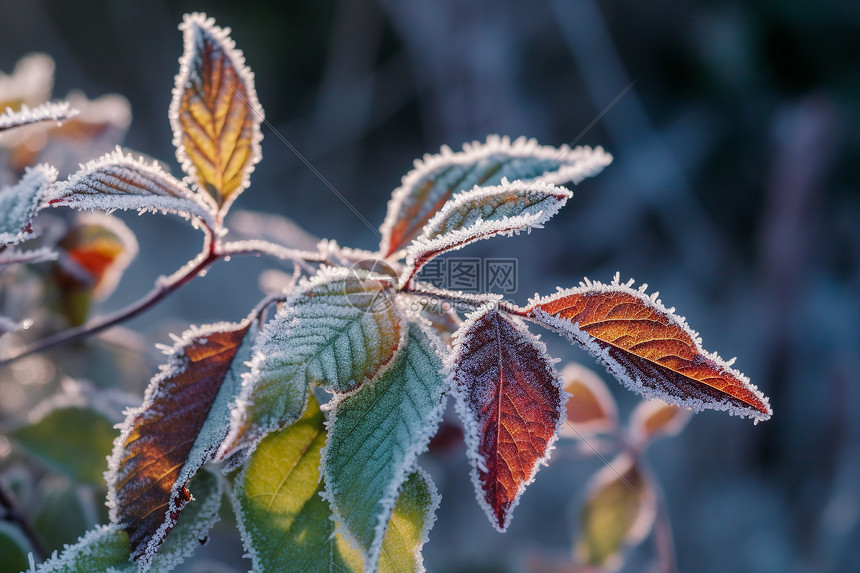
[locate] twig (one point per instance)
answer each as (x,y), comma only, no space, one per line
(163,287)
(16,515)
(663,542)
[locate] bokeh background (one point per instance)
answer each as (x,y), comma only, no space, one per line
(734,192)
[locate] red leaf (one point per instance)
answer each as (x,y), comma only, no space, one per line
(163,443)
(511,402)
(648,348)
(654,419)
(591,409)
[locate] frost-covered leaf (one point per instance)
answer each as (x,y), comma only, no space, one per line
(215,114)
(376,435)
(10,257)
(619,511)
(591,408)
(179,427)
(482,213)
(339,329)
(648,347)
(73,440)
(106,548)
(20,203)
(119,181)
(409,527)
(53,111)
(425,189)
(287,526)
(653,419)
(14,548)
(96,117)
(511,402)
(94,253)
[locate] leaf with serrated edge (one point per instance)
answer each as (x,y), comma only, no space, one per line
(653,419)
(71,440)
(619,510)
(215,114)
(106,548)
(119,181)
(512,404)
(51,111)
(409,527)
(376,435)
(592,409)
(338,329)
(433,181)
(20,203)
(287,526)
(179,427)
(485,212)
(648,347)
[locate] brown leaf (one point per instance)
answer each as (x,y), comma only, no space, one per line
(591,408)
(215,113)
(511,402)
(178,428)
(654,419)
(648,348)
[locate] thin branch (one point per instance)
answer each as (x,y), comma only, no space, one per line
(14,514)
(163,288)
(259,247)
(663,542)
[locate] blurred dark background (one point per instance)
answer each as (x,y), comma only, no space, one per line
(734,192)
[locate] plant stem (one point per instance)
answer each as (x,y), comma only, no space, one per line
(163,287)
(663,542)
(473,300)
(16,515)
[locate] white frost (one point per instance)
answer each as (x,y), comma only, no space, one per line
(20,203)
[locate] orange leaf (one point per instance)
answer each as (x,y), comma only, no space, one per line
(654,419)
(591,408)
(183,420)
(510,400)
(215,114)
(648,348)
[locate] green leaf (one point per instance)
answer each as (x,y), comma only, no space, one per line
(409,526)
(14,548)
(287,527)
(67,511)
(284,522)
(339,329)
(376,436)
(74,441)
(106,548)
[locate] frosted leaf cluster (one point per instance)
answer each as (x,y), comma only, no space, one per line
(437,178)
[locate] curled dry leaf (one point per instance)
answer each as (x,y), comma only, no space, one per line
(654,419)
(215,114)
(178,428)
(619,511)
(437,178)
(482,213)
(648,347)
(511,402)
(591,408)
